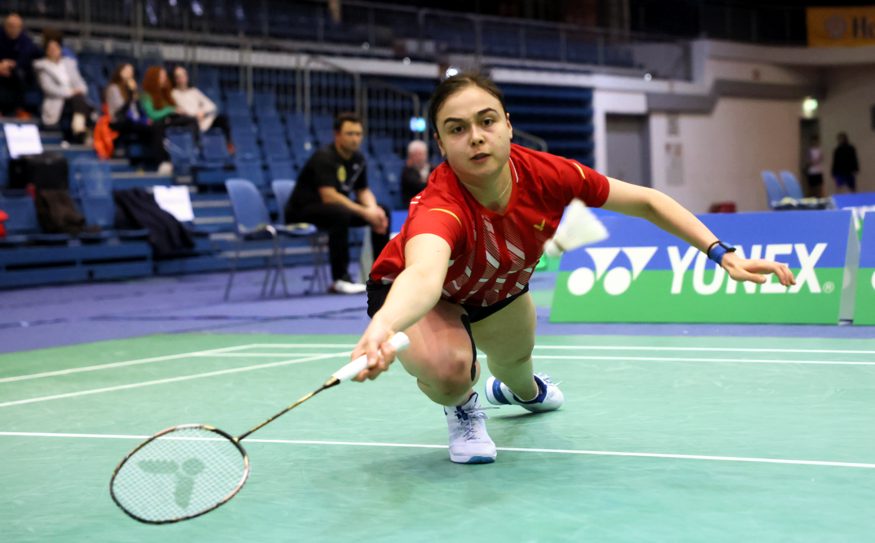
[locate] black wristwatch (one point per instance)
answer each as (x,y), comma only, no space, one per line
(717,249)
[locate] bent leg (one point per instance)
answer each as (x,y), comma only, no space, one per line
(441,355)
(508,338)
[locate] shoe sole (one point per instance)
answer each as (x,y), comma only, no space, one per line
(472,459)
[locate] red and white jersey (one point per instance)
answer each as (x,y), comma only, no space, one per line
(493,254)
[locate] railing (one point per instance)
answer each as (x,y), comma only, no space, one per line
(387,110)
(364,28)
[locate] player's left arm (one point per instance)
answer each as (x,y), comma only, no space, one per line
(666,213)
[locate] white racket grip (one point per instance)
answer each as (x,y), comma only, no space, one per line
(400,341)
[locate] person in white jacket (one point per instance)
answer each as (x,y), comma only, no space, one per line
(196,104)
(64,93)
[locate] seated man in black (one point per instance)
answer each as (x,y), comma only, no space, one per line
(323,193)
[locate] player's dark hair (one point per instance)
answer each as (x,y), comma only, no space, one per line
(456,83)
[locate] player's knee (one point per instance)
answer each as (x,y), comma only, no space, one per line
(453,375)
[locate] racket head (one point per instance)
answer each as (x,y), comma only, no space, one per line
(179,473)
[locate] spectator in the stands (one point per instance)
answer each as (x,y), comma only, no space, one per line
(17,53)
(127,117)
(159,105)
(65,101)
(845,165)
(416,170)
(55,34)
(196,104)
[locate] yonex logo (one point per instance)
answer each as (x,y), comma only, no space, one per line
(806,277)
(617,280)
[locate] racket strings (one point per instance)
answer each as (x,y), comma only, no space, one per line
(180,474)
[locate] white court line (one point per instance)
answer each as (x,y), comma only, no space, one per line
(253,355)
(170,380)
(703,349)
(669,456)
(122,364)
(615,348)
(710,360)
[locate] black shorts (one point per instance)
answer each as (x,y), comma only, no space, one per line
(377,293)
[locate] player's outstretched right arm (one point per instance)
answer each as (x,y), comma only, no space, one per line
(415,291)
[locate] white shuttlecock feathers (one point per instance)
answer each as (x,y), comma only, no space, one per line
(579,227)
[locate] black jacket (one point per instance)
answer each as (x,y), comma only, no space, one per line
(844,160)
(136,208)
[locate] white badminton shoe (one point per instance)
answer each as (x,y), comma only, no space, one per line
(469,442)
(342,286)
(549,396)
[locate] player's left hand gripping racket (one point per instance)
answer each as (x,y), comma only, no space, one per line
(188,470)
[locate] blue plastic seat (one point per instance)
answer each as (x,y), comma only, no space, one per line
(181,147)
(214,149)
(252,222)
(791,185)
(276,147)
(278,168)
(775,191)
(251,170)
(282,193)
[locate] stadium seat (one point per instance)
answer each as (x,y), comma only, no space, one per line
(252,222)
(775,192)
(282,191)
(791,185)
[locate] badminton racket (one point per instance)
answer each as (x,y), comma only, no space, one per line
(188,470)
(579,227)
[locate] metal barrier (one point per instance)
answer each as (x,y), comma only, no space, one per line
(363,28)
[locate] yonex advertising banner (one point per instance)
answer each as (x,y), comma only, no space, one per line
(642,274)
(858,203)
(864,306)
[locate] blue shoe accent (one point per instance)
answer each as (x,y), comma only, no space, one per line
(548,398)
(542,391)
(497,393)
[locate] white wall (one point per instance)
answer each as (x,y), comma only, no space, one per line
(722,153)
(609,101)
(847,108)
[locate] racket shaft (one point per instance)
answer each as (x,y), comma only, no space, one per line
(400,341)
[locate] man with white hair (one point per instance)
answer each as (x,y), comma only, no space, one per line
(416,170)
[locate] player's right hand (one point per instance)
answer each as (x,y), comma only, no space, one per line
(375,344)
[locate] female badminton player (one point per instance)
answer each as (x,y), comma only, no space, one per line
(457,275)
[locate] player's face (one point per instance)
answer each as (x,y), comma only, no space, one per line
(348,138)
(474,133)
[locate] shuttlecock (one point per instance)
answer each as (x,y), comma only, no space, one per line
(579,227)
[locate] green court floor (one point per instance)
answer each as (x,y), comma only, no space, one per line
(661,439)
